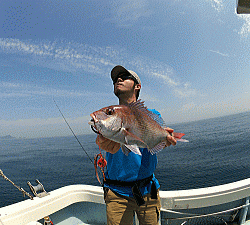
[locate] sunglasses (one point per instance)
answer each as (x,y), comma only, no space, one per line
(125,76)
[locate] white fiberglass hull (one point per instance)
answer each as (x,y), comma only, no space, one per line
(84,204)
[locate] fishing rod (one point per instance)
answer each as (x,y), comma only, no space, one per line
(73,132)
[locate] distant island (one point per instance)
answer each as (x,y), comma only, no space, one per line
(7,137)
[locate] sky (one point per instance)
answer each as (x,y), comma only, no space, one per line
(192,58)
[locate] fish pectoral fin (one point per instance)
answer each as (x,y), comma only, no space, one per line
(132,138)
(125,150)
(130,148)
(157,148)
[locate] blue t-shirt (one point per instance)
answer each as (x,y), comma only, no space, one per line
(131,168)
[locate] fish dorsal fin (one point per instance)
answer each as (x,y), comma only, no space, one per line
(139,106)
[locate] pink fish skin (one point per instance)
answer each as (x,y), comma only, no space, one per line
(132,126)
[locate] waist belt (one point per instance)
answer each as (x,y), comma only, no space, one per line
(135,187)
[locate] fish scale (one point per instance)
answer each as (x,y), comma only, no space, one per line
(133,126)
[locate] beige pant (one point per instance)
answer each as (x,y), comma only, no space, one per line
(120,209)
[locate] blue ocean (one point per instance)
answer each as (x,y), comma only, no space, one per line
(218,153)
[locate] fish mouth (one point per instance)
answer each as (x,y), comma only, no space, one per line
(91,122)
(93,127)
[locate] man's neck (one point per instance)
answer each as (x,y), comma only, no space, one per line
(125,101)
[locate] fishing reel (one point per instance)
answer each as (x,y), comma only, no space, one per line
(101,163)
(38,188)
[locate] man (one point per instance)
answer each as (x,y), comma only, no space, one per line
(130,184)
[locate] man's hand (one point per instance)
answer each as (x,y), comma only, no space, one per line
(107,145)
(170,139)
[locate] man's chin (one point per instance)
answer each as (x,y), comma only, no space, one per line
(118,92)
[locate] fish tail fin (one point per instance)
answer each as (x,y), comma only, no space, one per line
(178,137)
(181,140)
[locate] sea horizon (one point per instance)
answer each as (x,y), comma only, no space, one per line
(9,136)
(217,153)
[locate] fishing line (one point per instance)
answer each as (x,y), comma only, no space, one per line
(73,132)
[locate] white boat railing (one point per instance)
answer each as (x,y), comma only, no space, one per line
(24,212)
(205,197)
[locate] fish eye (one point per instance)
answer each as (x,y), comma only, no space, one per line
(110,111)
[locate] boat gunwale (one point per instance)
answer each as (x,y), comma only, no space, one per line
(33,210)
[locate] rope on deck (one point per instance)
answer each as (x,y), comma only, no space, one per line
(19,188)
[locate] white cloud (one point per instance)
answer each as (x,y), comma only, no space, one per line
(38,121)
(126,13)
(185,91)
(93,59)
(15,45)
(24,90)
(217,4)
(196,111)
(245,29)
(38,127)
(161,73)
(193,111)
(148,97)
(222,54)
(221,7)
(166,79)
(59,55)
(10,85)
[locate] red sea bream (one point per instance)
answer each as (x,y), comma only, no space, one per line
(133,126)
